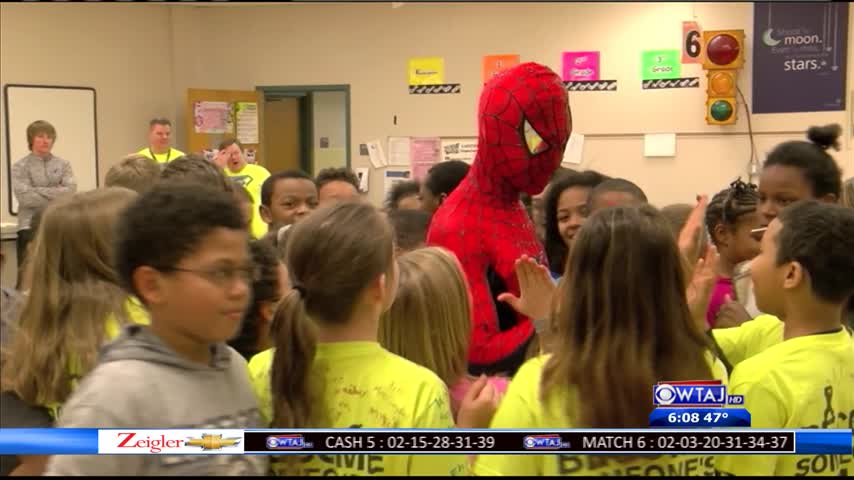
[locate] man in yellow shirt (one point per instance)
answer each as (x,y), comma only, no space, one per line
(160,142)
(804,275)
(249,175)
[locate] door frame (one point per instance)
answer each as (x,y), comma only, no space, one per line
(306,114)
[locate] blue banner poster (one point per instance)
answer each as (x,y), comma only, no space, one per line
(799,57)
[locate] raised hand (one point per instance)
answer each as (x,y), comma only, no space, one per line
(478,405)
(690,237)
(731,314)
(536,289)
(703,278)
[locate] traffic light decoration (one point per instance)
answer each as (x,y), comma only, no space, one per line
(724,56)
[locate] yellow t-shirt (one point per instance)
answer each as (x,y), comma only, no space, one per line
(748,339)
(252,178)
(167,157)
(522,408)
(805,382)
(136,313)
(366,386)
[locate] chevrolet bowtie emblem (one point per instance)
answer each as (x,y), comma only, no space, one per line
(212,442)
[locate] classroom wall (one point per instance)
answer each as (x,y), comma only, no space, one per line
(329,115)
(367,46)
(123,51)
(143,70)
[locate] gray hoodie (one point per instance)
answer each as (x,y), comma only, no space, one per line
(139,382)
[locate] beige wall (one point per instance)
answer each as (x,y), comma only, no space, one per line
(367,46)
(123,51)
(144,70)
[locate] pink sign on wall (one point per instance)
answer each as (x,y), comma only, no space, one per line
(578,66)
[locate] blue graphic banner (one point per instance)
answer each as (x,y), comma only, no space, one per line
(799,56)
(699,417)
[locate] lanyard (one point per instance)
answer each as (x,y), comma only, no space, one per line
(168,154)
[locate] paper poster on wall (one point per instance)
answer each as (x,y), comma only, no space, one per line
(574,153)
(211,117)
(424,152)
(659,145)
(692,42)
(247,122)
(376,154)
(362,174)
(495,64)
(580,66)
(799,57)
(427,71)
(398,151)
(463,149)
(392,178)
(660,64)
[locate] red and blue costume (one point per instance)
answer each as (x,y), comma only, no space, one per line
(524,125)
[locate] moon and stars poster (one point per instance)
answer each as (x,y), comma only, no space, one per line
(799,57)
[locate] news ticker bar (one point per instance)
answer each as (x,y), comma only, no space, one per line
(58,441)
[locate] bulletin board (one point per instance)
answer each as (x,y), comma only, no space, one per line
(206,135)
(71,110)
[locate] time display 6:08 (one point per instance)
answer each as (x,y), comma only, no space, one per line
(432,442)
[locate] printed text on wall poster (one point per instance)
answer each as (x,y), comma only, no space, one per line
(799,57)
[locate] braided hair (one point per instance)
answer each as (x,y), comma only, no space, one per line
(728,205)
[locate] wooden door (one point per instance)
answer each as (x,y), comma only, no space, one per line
(282,146)
(199,142)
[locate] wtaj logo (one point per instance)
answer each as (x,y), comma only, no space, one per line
(707,393)
(544,442)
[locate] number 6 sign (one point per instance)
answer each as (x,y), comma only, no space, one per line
(691,43)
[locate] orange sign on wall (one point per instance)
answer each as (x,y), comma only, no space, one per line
(494,64)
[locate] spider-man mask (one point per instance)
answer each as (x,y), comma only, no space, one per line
(525,123)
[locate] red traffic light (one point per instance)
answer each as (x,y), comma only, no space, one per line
(723,49)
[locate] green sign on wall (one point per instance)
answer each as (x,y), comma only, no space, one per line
(661,64)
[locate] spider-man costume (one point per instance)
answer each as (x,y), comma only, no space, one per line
(524,124)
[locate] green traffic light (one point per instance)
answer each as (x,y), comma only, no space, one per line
(721,110)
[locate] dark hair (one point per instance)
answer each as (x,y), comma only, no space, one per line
(400,191)
(265,288)
(410,227)
(332,256)
(197,169)
(677,215)
(820,237)
(617,185)
(159,121)
(166,224)
(445,176)
(818,167)
(269,184)
(242,194)
(729,204)
(229,142)
(342,174)
(556,250)
(622,311)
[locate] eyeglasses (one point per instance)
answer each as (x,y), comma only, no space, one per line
(221,277)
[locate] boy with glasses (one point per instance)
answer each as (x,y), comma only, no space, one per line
(183,251)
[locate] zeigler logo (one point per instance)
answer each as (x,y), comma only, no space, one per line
(169,442)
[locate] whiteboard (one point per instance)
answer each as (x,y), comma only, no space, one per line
(71,110)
